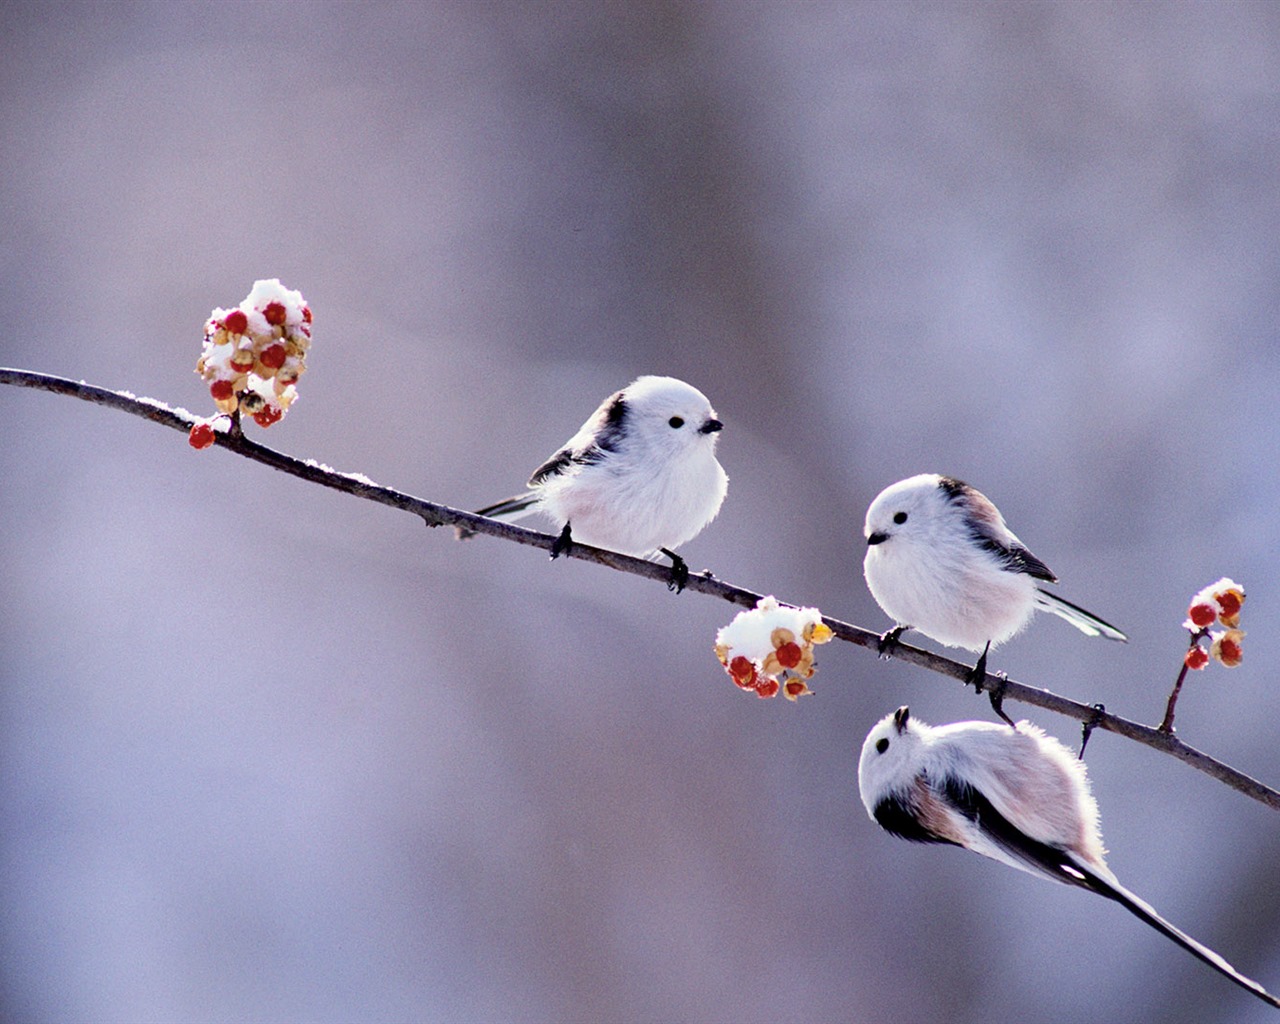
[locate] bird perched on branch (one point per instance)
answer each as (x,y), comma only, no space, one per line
(639,477)
(941,560)
(1015,795)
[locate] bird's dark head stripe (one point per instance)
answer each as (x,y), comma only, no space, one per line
(954,489)
(612,424)
(982,519)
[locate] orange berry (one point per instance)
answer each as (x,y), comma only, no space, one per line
(767,688)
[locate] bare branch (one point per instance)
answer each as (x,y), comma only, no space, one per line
(442,515)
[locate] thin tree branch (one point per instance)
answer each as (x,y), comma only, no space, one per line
(434,514)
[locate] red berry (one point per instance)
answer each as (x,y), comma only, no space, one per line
(221,390)
(789,655)
(743,672)
(767,688)
(1197,658)
(1229,602)
(273,356)
(269,415)
(201,436)
(1202,614)
(274,314)
(306,314)
(236,322)
(242,361)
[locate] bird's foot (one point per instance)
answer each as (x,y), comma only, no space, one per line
(977,678)
(564,543)
(1086,730)
(889,641)
(995,694)
(679,571)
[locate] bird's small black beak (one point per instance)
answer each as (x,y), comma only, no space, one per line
(877,538)
(710,427)
(900,719)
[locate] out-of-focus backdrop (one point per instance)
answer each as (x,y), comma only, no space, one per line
(273,753)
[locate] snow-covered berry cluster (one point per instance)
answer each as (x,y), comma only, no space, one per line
(769,649)
(1218,603)
(254,354)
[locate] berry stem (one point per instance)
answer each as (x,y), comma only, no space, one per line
(1167,724)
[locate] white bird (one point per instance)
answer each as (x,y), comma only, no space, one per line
(639,477)
(1014,795)
(941,560)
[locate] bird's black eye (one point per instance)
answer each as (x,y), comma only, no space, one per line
(882,745)
(676,422)
(900,518)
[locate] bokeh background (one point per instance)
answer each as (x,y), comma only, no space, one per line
(271,753)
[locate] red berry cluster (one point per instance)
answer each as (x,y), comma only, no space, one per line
(1219,603)
(253,356)
(769,649)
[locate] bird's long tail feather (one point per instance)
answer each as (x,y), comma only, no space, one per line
(1141,909)
(1084,621)
(511,508)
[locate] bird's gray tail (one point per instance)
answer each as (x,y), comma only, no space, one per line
(512,508)
(1086,622)
(1141,909)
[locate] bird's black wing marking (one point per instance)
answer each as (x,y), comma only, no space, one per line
(1019,559)
(1061,865)
(554,466)
(897,816)
(1049,860)
(606,438)
(984,520)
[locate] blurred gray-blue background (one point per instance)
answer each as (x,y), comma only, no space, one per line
(271,753)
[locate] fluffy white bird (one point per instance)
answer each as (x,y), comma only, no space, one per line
(941,560)
(639,477)
(1014,795)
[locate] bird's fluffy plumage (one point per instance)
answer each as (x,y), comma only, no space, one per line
(1025,775)
(1015,795)
(640,474)
(941,559)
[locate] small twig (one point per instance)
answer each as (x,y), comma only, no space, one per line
(434,514)
(1166,725)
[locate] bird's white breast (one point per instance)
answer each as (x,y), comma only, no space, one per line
(954,593)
